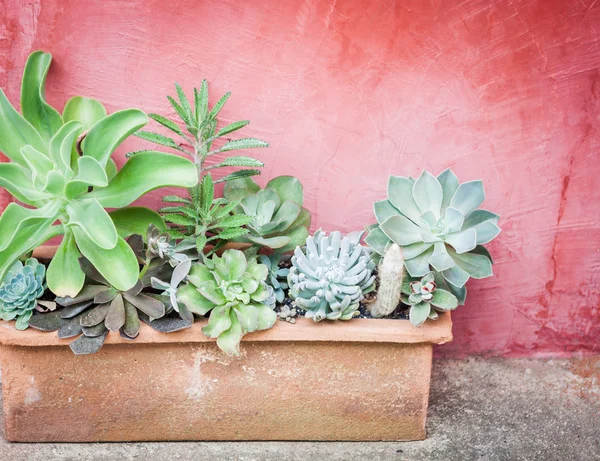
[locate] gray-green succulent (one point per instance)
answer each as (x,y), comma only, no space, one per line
(21,288)
(234,291)
(436,222)
(277,278)
(426,299)
(280,222)
(331,277)
(61,169)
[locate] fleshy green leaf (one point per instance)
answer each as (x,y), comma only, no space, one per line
(16,132)
(135,220)
(229,341)
(401,230)
(444,300)
(428,194)
(185,104)
(238,174)
(270,242)
(64,275)
(237,189)
(218,322)
(62,144)
(377,240)
(440,260)
(158,139)
(107,134)
(118,265)
(166,123)
(27,228)
(419,265)
(244,143)
(232,127)
(288,188)
(400,194)
(93,219)
(462,241)
(456,276)
(476,265)
(87,111)
(383,209)
(419,313)
(44,118)
(219,105)
(181,112)
(17,181)
(145,172)
(449,183)
(193,300)
(240,160)
(468,196)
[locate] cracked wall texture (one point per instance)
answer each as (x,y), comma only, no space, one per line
(349,92)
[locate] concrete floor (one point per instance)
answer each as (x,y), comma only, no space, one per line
(500,409)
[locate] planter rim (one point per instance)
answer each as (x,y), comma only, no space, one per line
(355,330)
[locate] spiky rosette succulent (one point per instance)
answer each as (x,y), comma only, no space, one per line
(234,291)
(436,222)
(426,299)
(22,286)
(332,277)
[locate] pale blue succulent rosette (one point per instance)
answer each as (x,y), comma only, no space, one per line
(331,277)
(437,223)
(22,286)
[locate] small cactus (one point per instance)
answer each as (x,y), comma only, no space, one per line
(391,272)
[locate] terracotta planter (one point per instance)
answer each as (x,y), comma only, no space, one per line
(358,380)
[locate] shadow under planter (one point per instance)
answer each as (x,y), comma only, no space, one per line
(359,380)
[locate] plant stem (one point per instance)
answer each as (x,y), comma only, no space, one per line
(146,267)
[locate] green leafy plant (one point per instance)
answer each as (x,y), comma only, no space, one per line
(437,224)
(201,133)
(234,291)
(331,278)
(64,173)
(21,288)
(426,299)
(202,219)
(280,222)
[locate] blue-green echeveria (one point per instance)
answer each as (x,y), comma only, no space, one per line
(22,286)
(437,223)
(234,291)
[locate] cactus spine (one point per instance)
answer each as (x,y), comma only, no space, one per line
(391,272)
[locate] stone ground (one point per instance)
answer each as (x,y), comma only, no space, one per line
(499,409)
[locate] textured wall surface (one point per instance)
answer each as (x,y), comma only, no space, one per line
(350,91)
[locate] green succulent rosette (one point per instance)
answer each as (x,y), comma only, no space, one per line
(234,291)
(22,286)
(425,299)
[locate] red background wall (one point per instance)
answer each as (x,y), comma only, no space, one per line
(348,92)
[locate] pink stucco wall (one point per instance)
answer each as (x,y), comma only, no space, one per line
(350,91)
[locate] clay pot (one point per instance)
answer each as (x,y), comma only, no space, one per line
(359,380)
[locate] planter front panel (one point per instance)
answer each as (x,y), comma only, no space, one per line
(191,391)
